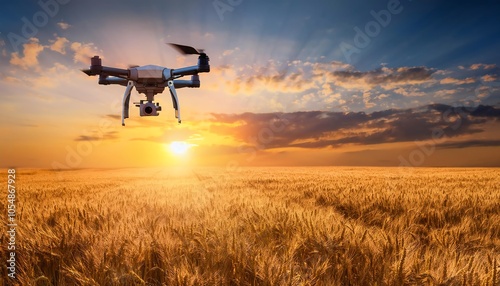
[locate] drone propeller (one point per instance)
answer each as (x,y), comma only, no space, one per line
(186,50)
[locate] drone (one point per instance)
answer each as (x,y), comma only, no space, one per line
(151,80)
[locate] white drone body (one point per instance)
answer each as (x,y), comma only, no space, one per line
(151,80)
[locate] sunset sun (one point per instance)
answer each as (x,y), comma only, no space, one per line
(178,147)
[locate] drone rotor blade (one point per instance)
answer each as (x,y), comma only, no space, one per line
(186,50)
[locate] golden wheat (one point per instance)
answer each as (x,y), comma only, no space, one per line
(258,226)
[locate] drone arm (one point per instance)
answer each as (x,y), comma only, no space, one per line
(203,66)
(113,71)
(175,100)
(185,71)
(126,100)
(194,82)
(112,80)
(185,83)
(96,68)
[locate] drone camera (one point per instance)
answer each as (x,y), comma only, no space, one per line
(149,108)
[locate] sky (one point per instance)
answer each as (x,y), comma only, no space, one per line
(292,83)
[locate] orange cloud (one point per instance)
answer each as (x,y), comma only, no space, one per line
(489,78)
(367,100)
(409,92)
(445,93)
(450,80)
(83,52)
(482,66)
(59,45)
(31,50)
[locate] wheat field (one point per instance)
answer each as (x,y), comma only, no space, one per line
(257,226)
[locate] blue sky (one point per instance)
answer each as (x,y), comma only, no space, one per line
(267,57)
(439,34)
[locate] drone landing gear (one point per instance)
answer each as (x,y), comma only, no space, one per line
(126,100)
(153,108)
(175,100)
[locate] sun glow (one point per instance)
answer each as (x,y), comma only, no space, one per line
(178,147)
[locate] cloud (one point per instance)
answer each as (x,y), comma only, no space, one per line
(387,78)
(320,129)
(208,36)
(2,46)
(329,85)
(322,68)
(298,76)
(305,99)
(278,77)
(367,100)
(11,79)
(485,111)
(59,45)
(444,72)
(450,80)
(469,143)
(83,52)
(489,78)
(229,52)
(445,93)
(270,78)
(63,25)
(96,136)
(31,50)
(114,116)
(409,92)
(482,66)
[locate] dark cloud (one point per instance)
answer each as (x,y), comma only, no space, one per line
(469,143)
(387,75)
(96,136)
(318,129)
(114,116)
(486,111)
(156,139)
